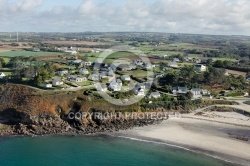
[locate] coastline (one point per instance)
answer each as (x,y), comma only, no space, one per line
(197,135)
(210,133)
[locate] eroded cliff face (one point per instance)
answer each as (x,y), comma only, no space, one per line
(31,112)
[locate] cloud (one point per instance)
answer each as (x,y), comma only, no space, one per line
(26,5)
(193,16)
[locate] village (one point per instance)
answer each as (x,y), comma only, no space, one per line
(60,66)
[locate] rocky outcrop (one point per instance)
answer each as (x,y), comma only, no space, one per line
(29,112)
(45,124)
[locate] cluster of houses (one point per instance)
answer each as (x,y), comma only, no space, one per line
(139,89)
(69,51)
(197,92)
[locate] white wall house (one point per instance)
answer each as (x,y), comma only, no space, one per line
(125,78)
(139,91)
(77,79)
(2,75)
(94,77)
(83,71)
(154,95)
(62,72)
(88,63)
(101,87)
(200,68)
(180,90)
(115,85)
(48,85)
(57,81)
(197,93)
(173,64)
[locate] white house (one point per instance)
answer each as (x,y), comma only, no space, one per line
(125,78)
(173,64)
(101,87)
(197,93)
(115,85)
(88,63)
(2,75)
(176,60)
(180,90)
(77,62)
(200,68)
(148,66)
(138,62)
(154,95)
(62,72)
(205,92)
(36,49)
(111,73)
(57,81)
(94,77)
(83,71)
(140,86)
(70,52)
(48,85)
(139,91)
(76,79)
(70,48)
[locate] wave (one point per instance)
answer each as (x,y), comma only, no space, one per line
(172,145)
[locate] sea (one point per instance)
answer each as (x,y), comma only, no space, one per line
(97,150)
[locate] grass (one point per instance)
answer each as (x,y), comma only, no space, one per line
(85,83)
(26,53)
(114,57)
(225,59)
(136,73)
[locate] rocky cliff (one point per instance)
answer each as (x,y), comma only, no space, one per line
(30,112)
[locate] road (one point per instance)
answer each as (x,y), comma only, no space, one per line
(240,101)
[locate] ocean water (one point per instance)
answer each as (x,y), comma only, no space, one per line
(96,151)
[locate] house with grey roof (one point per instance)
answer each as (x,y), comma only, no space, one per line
(179,90)
(197,92)
(57,82)
(83,71)
(125,78)
(101,87)
(154,95)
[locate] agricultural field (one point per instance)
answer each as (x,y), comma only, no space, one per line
(234,72)
(62,42)
(27,53)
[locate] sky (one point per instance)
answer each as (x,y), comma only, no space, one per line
(216,17)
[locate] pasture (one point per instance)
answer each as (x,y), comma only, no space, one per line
(27,53)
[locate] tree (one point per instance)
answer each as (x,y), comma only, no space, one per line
(2,62)
(189,95)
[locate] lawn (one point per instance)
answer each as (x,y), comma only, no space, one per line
(136,73)
(114,57)
(225,59)
(27,53)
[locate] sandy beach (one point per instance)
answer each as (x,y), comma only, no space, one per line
(214,133)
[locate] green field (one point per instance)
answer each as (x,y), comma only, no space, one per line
(225,59)
(27,53)
(93,57)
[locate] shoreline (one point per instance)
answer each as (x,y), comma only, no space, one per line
(192,149)
(197,135)
(214,134)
